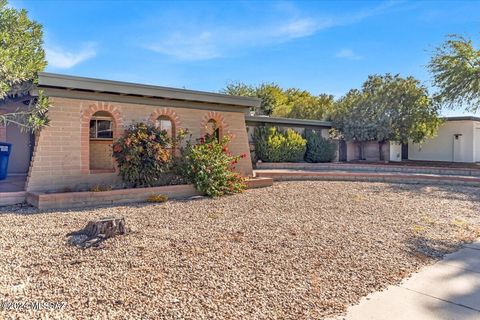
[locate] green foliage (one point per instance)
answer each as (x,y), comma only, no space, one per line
(32,119)
(273,145)
(270,93)
(100,188)
(21,58)
(289,103)
(455,66)
(210,167)
(157,198)
(387,108)
(143,154)
(319,149)
(306,106)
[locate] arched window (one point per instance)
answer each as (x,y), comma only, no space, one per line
(101,126)
(213,129)
(101,140)
(165,123)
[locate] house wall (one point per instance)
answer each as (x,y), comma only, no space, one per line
(101,155)
(21,141)
(444,147)
(62,153)
(395,151)
(371,151)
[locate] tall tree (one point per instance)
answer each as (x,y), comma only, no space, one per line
(270,94)
(307,106)
(21,58)
(386,108)
(455,67)
(289,103)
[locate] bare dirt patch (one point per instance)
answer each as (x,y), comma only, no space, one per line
(297,250)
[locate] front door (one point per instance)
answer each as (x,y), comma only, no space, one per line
(342,151)
(20,156)
(458,148)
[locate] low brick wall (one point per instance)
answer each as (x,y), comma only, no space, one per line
(299,175)
(11,198)
(369,168)
(259,182)
(86,199)
(122,196)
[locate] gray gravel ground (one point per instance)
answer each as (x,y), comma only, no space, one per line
(297,250)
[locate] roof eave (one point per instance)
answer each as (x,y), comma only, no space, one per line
(289,121)
(51,80)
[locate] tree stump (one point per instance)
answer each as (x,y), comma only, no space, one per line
(97,231)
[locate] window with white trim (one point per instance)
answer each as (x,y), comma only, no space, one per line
(101,126)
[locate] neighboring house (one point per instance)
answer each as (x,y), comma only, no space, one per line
(457,140)
(87,115)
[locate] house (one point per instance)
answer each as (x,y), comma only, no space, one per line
(86,115)
(457,140)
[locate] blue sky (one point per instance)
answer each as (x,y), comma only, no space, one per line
(320,46)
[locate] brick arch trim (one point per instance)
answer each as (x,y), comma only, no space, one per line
(169,113)
(218,118)
(85,132)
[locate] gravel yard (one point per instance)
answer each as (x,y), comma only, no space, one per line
(297,250)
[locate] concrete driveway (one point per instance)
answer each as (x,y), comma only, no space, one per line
(450,289)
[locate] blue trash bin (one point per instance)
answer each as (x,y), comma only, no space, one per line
(5,149)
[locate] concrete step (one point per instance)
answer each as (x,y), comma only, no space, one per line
(396,177)
(358,167)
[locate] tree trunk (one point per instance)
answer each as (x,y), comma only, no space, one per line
(97,231)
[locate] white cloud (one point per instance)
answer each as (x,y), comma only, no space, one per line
(348,54)
(194,47)
(61,58)
(218,41)
(298,28)
(209,44)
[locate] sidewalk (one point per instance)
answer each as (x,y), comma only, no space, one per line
(450,289)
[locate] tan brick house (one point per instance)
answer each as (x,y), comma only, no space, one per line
(87,115)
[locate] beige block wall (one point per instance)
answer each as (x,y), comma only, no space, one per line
(57,159)
(101,155)
(442,147)
(371,151)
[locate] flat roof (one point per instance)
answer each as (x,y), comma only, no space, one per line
(289,121)
(74,83)
(462,118)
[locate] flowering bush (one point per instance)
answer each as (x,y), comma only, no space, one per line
(143,154)
(210,167)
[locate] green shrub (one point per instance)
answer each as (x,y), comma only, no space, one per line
(273,145)
(319,149)
(157,198)
(143,154)
(100,188)
(210,167)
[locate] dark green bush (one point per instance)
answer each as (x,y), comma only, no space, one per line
(273,145)
(319,149)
